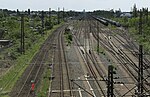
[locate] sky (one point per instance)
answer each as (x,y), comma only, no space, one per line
(76,5)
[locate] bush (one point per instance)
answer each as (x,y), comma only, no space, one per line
(48,25)
(70,37)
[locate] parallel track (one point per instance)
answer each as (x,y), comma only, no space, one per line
(60,82)
(33,72)
(124,59)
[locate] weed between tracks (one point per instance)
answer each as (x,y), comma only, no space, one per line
(100,50)
(8,80)
(68,37)
(45,83)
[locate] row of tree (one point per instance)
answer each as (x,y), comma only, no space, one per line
(136,12)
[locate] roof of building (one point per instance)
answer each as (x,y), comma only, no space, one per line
(126,15)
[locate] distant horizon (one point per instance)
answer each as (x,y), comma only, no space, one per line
(62,10)
(75,5)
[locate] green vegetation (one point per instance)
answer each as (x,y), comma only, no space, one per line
(100,50)
(68,36)
(45,83)
(10,29)
(112,27)
(134,11)
(77,24)
(133,26)
(103,13)
(7,81)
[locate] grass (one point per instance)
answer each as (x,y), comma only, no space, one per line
(45,83)
(68,37)
(8,80)
(134,31)
(112,27)
(100,50)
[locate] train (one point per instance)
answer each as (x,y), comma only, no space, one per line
(106,21)
(112,22)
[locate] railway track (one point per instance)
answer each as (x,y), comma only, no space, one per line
(61,80)
(107,47)
(61,85)
(94,69)
(125,59)
(104,43)
(36,68)
(130,47)
(32,73)
(145,63)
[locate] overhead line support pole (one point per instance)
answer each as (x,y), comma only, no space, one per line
(110,83)
(140,73)
(50,15)
(22,49)
(58,15)
(42,18)
(63,14)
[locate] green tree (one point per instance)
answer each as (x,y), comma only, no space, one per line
(28,11)
(134,11)
(48,24)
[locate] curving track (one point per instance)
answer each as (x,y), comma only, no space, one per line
(35,70)
(61,85)
(86,35)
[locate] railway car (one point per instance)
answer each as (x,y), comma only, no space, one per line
(117,24)
(5,42)
(104,22)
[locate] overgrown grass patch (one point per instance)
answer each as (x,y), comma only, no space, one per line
(45,83)
(68,37)
(100,50)
(112,27)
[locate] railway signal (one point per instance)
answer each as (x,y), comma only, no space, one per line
(32,86)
